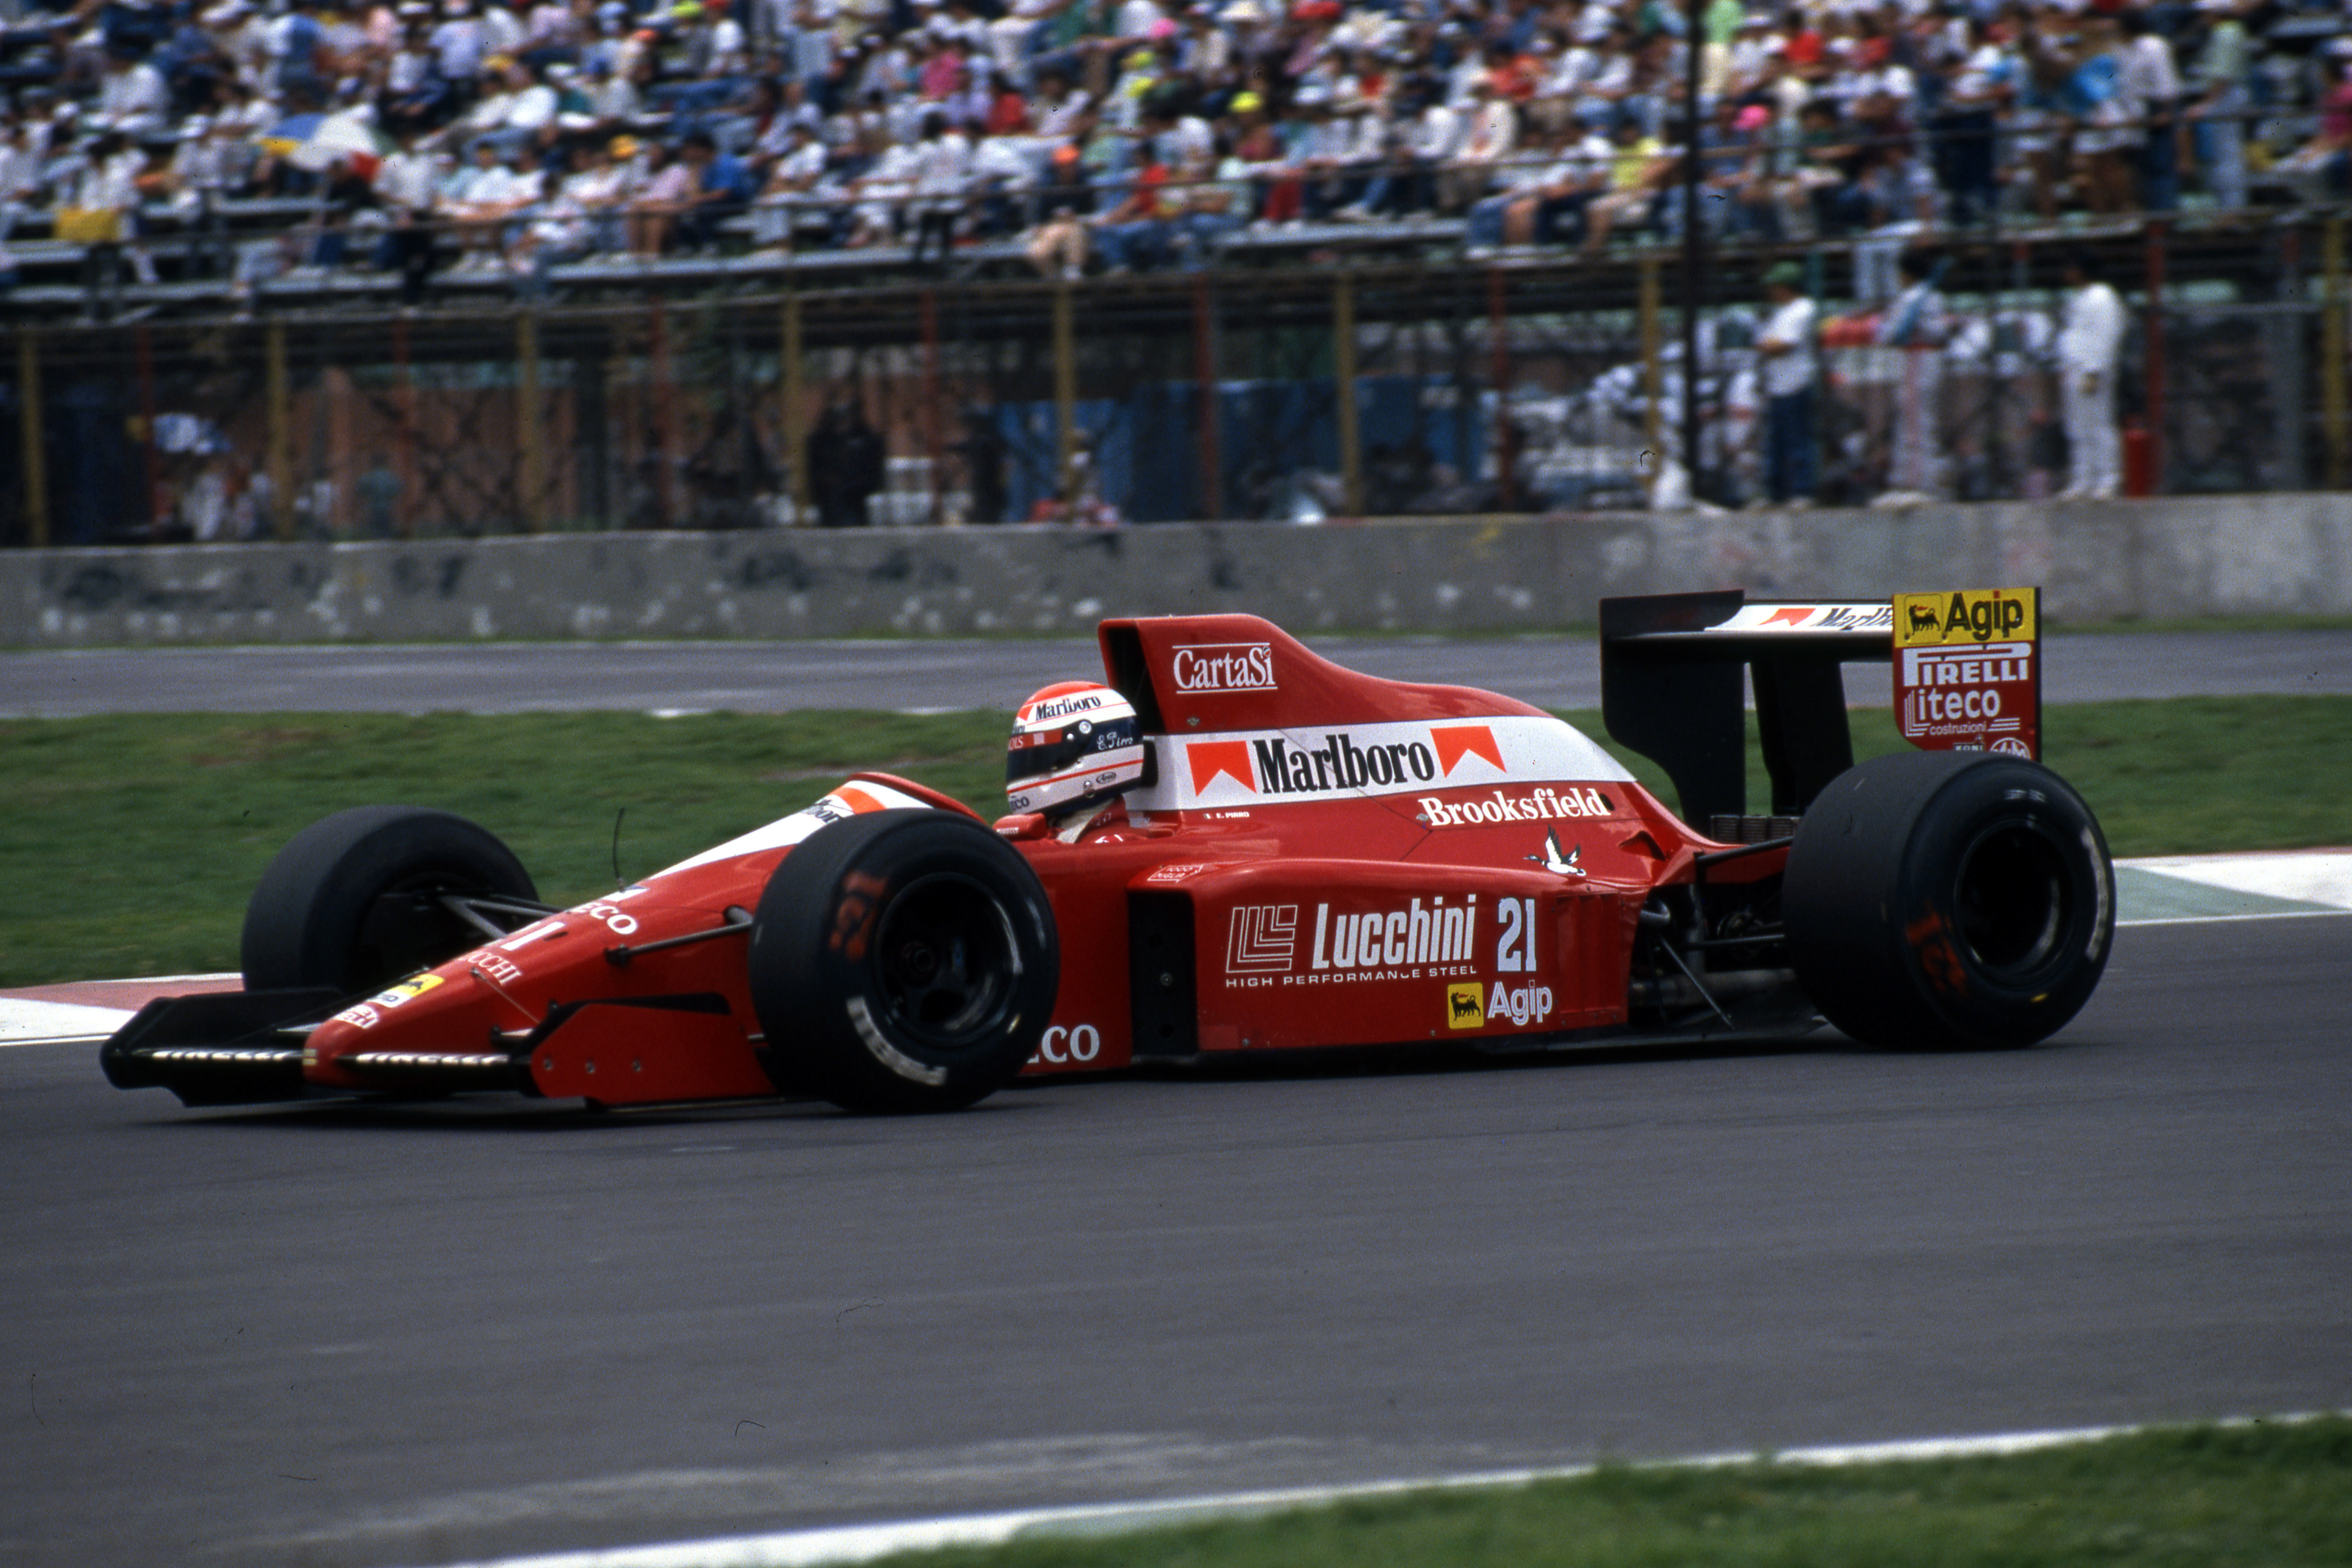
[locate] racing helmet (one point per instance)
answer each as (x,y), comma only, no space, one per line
(1074,742)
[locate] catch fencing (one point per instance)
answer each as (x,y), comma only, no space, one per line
(1326,387)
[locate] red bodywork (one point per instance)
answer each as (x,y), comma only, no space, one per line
(1323,859)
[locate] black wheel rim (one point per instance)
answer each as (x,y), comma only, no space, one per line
(2012,901)
(946,962)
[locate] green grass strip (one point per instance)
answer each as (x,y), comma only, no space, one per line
(128,844)
(2277,1495)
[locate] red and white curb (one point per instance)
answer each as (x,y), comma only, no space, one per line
(93,1009)
(866,1542)
(2169,890)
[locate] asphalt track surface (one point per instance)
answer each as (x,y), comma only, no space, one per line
(340,1335)
(1562,671)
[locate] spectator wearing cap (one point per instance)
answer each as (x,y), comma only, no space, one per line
(603,179)
(613,100)
(1056,246)
(1786,347)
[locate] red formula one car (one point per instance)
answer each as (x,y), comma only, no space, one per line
(1308,857)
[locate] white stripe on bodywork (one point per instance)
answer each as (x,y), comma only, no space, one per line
(787,831)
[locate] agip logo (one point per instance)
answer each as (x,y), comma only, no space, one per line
(1465,1005)
(1969,615)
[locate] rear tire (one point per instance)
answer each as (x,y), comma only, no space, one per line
(902,961)
(350,904)
(1949,900)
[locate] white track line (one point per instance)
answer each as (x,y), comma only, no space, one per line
(24,1023)
(866,1542)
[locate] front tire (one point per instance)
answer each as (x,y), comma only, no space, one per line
(351,903)
(902,961)
(1949,900)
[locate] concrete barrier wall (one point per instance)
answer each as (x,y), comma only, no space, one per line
(2096,560)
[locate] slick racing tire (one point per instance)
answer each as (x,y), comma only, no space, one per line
(1949,900)
(902,961)
(351,902)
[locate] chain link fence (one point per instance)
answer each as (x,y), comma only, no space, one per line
(1295,394)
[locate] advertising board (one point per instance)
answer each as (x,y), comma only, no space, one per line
(1967,671)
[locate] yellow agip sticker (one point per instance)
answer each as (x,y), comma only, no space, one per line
(406,989)
(1967,616)
(1465,1004)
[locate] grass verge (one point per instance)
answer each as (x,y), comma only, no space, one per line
(130,843)
(2278,1495)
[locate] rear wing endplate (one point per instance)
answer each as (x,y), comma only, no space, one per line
(1671,689)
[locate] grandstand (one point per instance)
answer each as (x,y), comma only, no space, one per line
(338,270)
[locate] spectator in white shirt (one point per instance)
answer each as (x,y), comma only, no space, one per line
(2148,85)
(132,98)
(458,48)
(1787,346)
(405,184)
(503,31)
(2090,347)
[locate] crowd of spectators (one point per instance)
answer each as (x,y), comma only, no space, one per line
(1131,134)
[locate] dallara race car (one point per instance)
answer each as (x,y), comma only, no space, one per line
(1228,844)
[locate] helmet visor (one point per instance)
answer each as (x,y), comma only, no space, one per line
(1044,754)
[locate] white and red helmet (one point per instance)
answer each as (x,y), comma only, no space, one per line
(1074,742)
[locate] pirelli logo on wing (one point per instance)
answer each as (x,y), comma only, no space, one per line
(1268,766)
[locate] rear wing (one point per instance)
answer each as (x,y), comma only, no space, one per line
(1671,689)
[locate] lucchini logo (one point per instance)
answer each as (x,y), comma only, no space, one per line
(1438,933)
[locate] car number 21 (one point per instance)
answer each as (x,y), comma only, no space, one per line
(1515,949)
